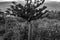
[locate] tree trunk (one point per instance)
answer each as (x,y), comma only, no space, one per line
(30,32)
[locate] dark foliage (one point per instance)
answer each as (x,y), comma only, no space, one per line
(8,36)
(47,34)
(2,32)
(24,34)
(29,11)
(2,19)
(50,35)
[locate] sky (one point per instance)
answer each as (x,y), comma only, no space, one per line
(22,0)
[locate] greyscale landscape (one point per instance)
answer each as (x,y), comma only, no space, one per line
(50,5)
(20,21)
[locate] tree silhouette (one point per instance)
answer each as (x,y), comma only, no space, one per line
(28,12)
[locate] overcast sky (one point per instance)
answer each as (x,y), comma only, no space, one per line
(22,0)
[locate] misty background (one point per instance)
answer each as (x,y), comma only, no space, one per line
(52,5)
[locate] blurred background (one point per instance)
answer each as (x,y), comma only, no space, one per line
(51,4)
(43,27)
